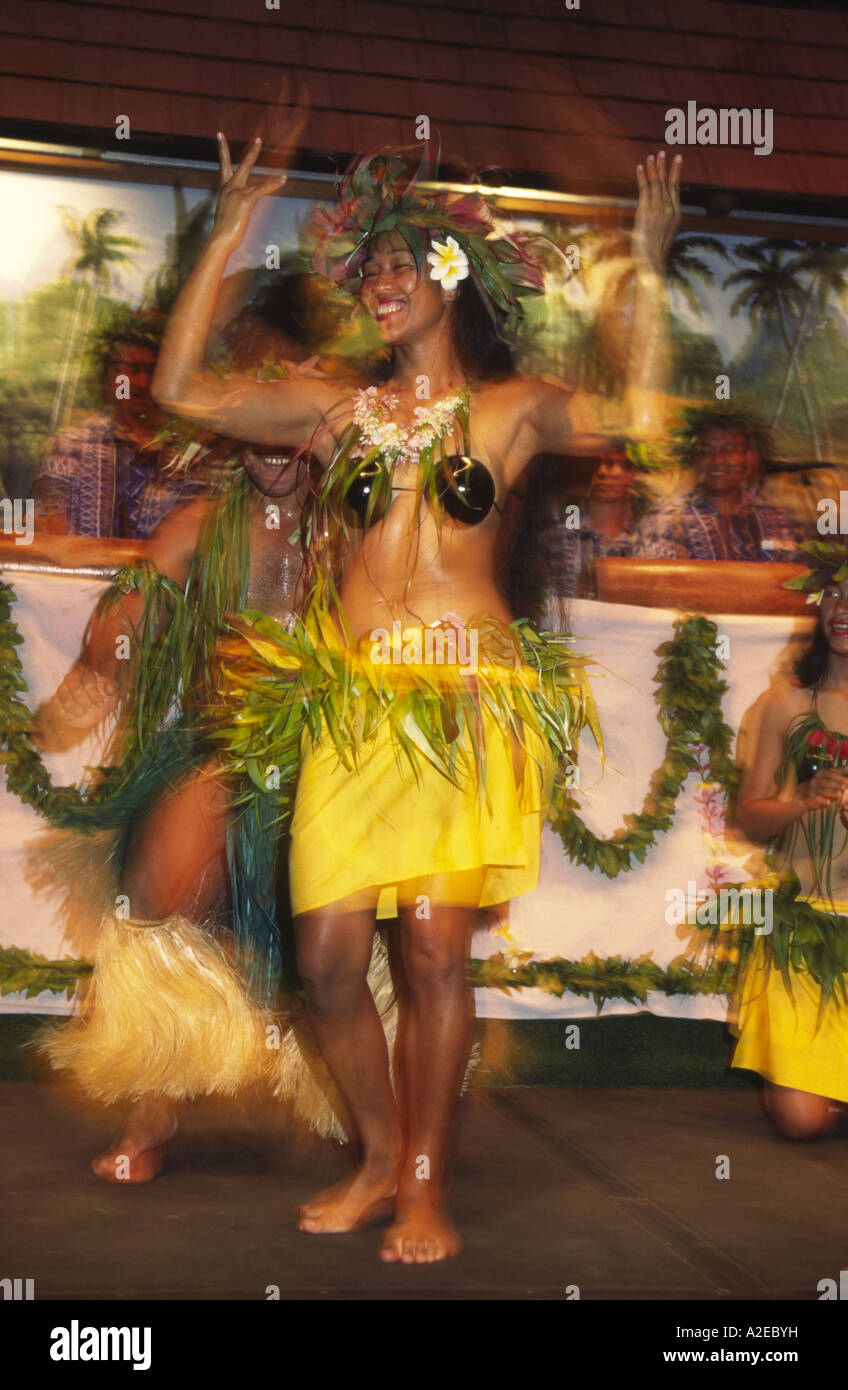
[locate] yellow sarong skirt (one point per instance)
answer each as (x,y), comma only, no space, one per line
(378,833)
(786,1037)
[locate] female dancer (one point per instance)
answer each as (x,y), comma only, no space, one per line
(427,483)
(792,1022)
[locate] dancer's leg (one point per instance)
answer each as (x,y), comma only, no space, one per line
(333,954)
(177,855)
(176,863)
(437,1035)
(799,1114)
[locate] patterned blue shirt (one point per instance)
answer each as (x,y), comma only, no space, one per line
(691,528)
(97,482)
(565,557)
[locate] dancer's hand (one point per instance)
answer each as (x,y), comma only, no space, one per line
(281,123)
(83,700)
(823,789)
(657,212)
(237,197)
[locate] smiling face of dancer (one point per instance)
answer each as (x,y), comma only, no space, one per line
(833,619)
(413,313)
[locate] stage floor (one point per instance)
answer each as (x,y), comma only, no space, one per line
(614,1191)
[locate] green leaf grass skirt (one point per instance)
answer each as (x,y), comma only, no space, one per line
(784,1031)
(425,762)
(789,1007)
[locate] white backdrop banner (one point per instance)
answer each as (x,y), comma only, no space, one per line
(51,614)
(573,911)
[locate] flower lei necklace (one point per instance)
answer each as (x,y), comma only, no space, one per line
(371,447)
(380,433)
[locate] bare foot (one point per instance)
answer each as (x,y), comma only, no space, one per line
(140,1154)
(354,1202)
(422,1231)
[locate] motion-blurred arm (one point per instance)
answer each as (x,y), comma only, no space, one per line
(564,420)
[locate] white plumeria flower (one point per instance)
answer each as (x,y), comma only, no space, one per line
(815,598)
(449,263)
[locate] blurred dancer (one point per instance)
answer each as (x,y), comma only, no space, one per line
(422,785)
(178,851)
(793,1019)
(181,850)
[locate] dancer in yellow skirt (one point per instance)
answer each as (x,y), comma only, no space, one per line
(792,1002)
(423,781)
(402,823)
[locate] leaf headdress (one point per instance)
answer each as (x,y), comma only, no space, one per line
(829,565)
(381,193)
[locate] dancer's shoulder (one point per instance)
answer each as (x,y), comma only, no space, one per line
(784,702)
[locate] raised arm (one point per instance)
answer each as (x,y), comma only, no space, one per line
(268,412)
(564,420)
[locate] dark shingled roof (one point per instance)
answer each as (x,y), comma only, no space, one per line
(569,99)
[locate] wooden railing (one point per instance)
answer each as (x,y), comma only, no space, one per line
(80,555)
(707,586)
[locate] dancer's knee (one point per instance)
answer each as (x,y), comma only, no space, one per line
(151,896)
(330,987)
(800,1129)
(434,956)
(798,1115)
(333,972)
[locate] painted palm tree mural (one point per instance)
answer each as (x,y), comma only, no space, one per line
(771,291)
(97,250)
(693,268)
(825,264)
(788,349)
(60,305)
(689,266)
(688,262)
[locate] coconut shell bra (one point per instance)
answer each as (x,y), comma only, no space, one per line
(463,485)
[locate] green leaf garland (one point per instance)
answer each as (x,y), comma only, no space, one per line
(23,972)
(689,698)
(601,979)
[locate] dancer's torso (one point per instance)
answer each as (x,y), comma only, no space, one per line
(405,566)
(831,709)
(275,584)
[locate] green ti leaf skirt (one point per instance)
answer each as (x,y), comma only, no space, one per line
(425,763)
